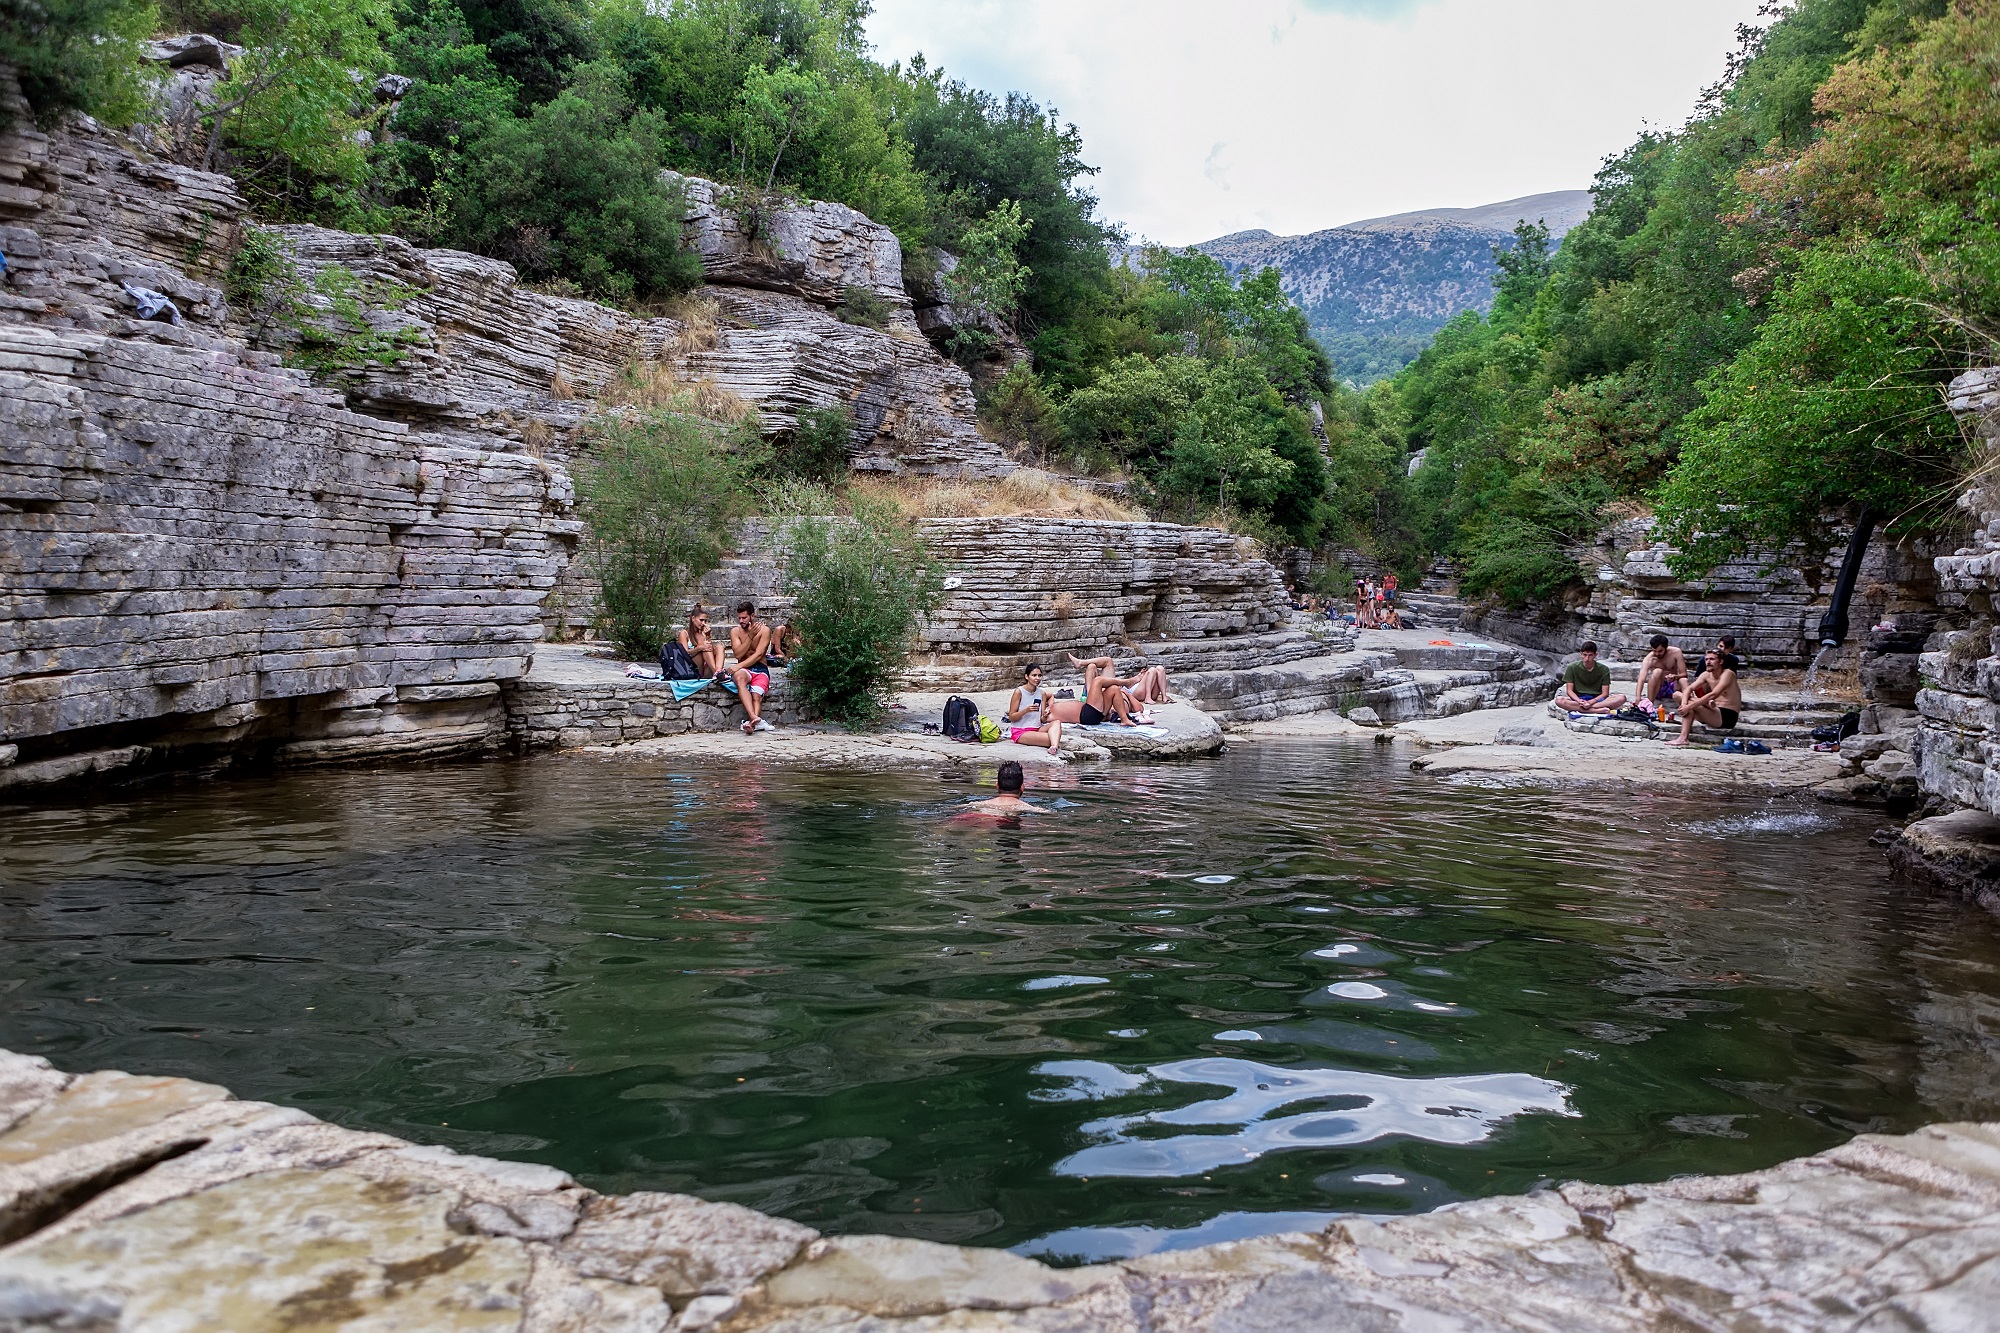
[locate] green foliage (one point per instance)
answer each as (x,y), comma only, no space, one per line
(1016,409)
(863,306)
(330,324)
(574,190)
(987,282)
(78,55)
(816,450)
(1750,329)
(660,492)
(1836,404)
(287,118)
(862,586)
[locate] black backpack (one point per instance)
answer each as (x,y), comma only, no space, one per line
(1838,731)
(961,719)
(676,663)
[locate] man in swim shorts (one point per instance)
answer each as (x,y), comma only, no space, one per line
(1715,699)
(749,641)
(1664,673)
(1008,803)
(1586,686)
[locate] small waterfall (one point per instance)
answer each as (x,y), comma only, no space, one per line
(1809,687)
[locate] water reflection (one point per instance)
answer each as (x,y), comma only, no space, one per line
(1352,1108)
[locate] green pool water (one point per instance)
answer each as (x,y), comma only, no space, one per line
(1187,1002)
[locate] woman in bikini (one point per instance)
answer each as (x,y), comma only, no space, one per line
(1045,730)
(702,654)
(1148,687)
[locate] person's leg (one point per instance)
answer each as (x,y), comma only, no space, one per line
(1649,677)
(1120,702)
(748,698)
(1705,713)
(1607,703)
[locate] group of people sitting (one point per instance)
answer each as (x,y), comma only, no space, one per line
(1664,692)
(695,654)
(1036,715)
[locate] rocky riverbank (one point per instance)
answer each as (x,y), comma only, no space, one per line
(130,1201)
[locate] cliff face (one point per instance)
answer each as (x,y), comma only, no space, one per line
(201,549)
(1771,604)
(1958,735)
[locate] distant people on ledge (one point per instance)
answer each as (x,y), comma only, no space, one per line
(1586,685)
(1663,675)
(749,642)
(1030,715)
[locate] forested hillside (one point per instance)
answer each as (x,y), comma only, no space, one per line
(1751,330)
(1374,292)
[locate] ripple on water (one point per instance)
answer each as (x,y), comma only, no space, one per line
(1459,1110)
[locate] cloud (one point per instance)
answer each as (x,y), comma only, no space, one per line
(1202,126)
(1378,10)
(1215,168)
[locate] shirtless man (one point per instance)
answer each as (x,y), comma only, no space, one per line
(1714,700)
(1664,673)
(750,640)
(1008,803)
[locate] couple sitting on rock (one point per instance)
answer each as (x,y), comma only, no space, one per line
(1105,697)
(695,655)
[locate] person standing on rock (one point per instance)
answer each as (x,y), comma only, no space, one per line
(1714,700)
(1586,686)
(749,641)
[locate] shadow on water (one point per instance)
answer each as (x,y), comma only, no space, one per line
(1183,1004)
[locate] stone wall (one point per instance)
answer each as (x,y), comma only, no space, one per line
(1031,589)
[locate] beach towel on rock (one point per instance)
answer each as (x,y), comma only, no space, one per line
(1150,733)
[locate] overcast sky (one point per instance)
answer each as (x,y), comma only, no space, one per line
(1213,116)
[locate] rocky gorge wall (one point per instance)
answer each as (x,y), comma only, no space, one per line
(202,550)
(1771,604)
(211,555)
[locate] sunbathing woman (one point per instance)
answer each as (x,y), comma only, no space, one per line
(1148,687)
(1104,697)
(1030,699)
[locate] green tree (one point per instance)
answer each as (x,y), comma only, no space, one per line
(862,585)
(985,287)
(575,190)
(290,120)
(660,492)
(78,55)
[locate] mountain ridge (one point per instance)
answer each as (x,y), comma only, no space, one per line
(1376,290)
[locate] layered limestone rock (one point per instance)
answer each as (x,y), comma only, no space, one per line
(205,551)
(1958,739)
(1772,605)
(210,554)
(136,1202)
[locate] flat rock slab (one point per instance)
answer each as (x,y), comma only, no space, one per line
(1539,750)
(268,1219)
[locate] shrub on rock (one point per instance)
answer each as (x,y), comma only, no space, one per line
(862,584)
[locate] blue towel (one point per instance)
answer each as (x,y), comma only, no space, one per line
(687,689)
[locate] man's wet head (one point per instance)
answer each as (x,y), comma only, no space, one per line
(1010,779)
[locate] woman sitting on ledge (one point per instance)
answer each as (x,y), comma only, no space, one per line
(693,655)
(1044,730)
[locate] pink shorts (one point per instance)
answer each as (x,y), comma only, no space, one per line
(760,682)
(1014,734)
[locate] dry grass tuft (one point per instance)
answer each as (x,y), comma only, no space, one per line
(1063,605)
(700,320)
(1023,494)
(657,384)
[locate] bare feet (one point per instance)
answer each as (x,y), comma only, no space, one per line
(1677,743)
